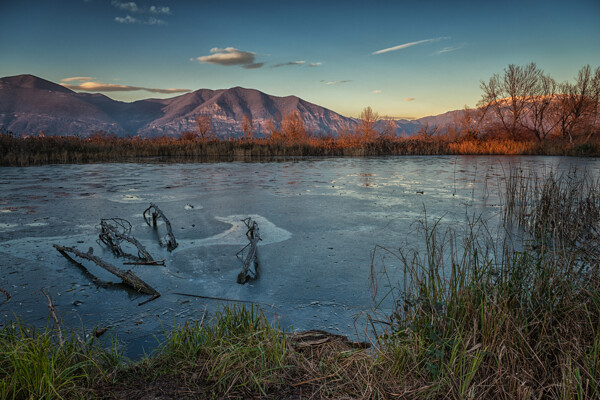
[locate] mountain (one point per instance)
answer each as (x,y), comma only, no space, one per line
(29,105)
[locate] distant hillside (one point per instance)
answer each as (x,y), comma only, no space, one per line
(29,104)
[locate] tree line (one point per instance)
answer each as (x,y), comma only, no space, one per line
(524,102)
(521,103)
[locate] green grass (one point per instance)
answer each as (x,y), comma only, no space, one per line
(33,365)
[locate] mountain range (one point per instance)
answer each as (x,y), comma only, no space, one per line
(29,105)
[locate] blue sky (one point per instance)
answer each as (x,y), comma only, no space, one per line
(404,59)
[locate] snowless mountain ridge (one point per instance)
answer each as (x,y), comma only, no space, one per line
(29,105)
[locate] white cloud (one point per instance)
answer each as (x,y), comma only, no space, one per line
(449,49)
(132,7)
(338,82)
(77,78)
(154,21)
(406,45)
(111,87)
(129,6)
(409,99)
(127,20)
(159,10)
(148,21)
(316,64)
(288,64)
(229,56)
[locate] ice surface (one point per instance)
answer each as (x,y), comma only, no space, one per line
(319,219)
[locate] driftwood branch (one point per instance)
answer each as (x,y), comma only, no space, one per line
(5,293)
(224,299)
(151,215)
(153,262)
(128,277)
(251,258)
(116,230)
(55,318)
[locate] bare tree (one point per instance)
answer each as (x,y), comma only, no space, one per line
(292,127)
(470,122)
(204,127)
(247,128)
(389,128)
(427,131)
(507,95)
(578,104)
(540,105)
(366,125)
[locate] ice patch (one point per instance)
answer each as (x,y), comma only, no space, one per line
(7,226)
(129,197)
(27,246)
(236,235)
(142,198)
(34,224)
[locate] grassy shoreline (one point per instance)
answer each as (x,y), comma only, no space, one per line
(480,316)
(16,151)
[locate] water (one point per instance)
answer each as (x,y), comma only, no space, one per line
(320,220)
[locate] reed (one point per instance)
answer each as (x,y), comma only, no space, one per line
(33,365)
(483,317)
(17,151)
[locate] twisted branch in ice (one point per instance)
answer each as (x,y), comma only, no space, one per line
(151,215)
(251,258)
(116,230)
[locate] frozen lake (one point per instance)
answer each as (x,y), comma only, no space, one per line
(320,220)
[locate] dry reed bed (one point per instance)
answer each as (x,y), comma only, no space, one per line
(15,151)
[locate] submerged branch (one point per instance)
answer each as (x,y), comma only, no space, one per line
(6,294)
(116,230)
(151,215)
(128,277)
(251,258)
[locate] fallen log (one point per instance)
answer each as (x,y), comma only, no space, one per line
(151,215)
(116,230)
(128,277)
(251,259)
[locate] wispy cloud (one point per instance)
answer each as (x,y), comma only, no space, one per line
(449,49)
(338,82)
(289,64)
(77,78)
(127,20)
(111,87)
(254,66)
(159,10)
(316,64)
(154,21)
(132,7)
(230,56)
(146,21)
(410,44)
(409,99)
(377,91)
(128,6)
